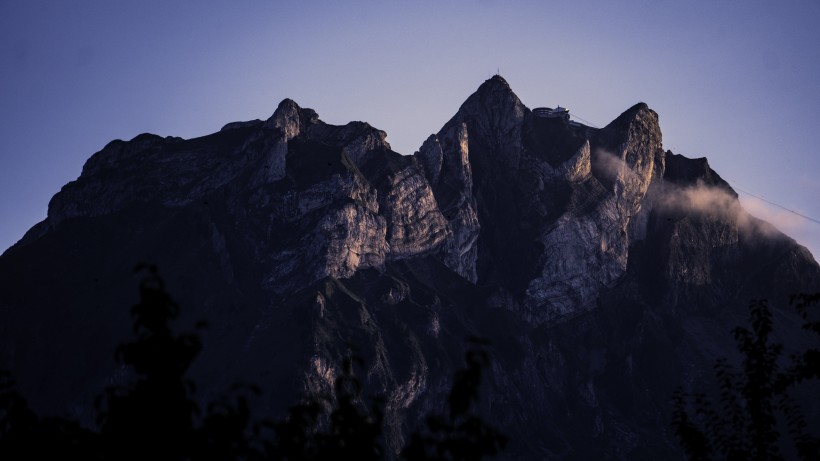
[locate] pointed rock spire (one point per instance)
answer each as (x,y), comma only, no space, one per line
(494,99)
(290,118)
(286,123)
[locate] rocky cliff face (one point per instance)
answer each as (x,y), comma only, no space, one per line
(572,194)
(605,270)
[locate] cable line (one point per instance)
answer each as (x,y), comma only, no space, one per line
(775,204)
(572,114)
(735,185)
(809,218)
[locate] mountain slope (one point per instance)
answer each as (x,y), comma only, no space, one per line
(605,270)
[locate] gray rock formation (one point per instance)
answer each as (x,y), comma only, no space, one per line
(605,270)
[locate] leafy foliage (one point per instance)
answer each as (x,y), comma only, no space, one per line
(154,414)
(22,431)
(755,402)
(461,435)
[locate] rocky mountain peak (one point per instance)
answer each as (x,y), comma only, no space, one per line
(639,121)
(494,83)
(579,251)
(493,109)
(634,112)
(690,171)
(290,118)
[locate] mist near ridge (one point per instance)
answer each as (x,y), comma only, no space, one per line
(711,201)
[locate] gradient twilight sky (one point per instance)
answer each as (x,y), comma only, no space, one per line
(735,81)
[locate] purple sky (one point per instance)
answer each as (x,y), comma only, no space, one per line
(737,82)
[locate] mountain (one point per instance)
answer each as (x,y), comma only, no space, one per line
(604,270)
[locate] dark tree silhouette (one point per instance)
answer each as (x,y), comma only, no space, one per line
(755,402)
(153,413)
(24,435)
(355,433)
(151,416)
(352,430)
(460,435)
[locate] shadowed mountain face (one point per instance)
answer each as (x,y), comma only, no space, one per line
(605,270)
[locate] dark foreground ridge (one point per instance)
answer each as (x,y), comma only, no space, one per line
(605,271)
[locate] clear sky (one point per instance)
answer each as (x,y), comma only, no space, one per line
(735,81)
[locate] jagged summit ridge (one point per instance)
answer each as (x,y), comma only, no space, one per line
(603,268)
(497,191)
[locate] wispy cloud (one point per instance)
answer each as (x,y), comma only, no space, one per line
(750,214)
(786,221)
(804,231)
(612,166)
(713,201)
